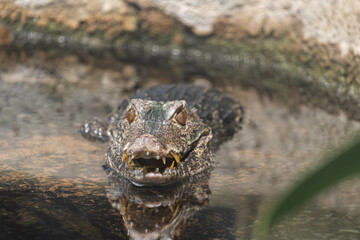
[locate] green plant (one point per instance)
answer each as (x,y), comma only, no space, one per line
(344,164)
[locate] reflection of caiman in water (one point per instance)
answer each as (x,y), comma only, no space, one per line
(153,213)
(161,135)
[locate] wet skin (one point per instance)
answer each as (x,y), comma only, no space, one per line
(157,142)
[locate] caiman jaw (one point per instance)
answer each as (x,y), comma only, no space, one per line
(152,162)
(171,210)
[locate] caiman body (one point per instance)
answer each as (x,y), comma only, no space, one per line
(166,133)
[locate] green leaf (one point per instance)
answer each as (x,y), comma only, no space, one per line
(342,165)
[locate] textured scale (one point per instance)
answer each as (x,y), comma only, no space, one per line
(220,112)
(166,133)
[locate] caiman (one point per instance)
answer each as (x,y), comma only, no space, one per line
(166,133)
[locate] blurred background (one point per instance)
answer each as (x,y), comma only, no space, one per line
(293,65)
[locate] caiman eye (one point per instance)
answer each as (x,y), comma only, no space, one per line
(130,115)
(181,117)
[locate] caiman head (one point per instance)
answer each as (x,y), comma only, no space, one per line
(158,143)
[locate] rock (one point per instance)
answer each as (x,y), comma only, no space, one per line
(6,38)
(130,24)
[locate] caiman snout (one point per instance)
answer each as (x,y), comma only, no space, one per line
(146,146)
(147,153)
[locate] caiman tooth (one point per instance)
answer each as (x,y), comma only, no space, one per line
(144,170)
(157,157)
(176,212)
(157,170)
(172,165)
(177,158)
(124,157)
(164,160)
(118,205)
(171,208)
(123,205)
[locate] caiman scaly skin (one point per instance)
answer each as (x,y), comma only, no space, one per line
(162,135)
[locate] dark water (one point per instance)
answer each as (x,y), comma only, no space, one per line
(52,185)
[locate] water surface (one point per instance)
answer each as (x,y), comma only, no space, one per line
(52,184)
